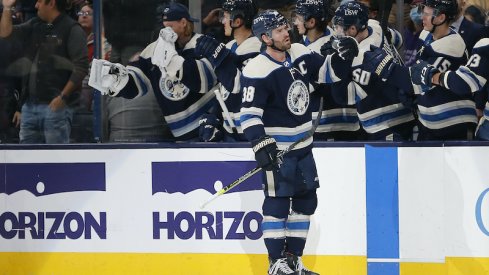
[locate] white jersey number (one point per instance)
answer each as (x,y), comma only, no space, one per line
(248,94)
(442,66)
(474,61)
(361,77)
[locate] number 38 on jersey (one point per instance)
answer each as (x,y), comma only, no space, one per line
(248,94)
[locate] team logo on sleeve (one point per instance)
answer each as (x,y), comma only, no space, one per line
(298,98)
(173,89)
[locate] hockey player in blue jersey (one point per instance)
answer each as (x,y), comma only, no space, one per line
(465,81)
(275,113)
(443,114)
(169,68)
(228,61)
(338,121)
(380,107)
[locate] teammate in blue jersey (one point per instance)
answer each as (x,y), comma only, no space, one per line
(169,68)
(228,62)
(443,114)
(465,81)
(275,113)
(382,111)
(338,121)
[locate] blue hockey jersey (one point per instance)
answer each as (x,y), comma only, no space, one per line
(182,99)
(440,108)
(378,102)
(276,98)
(335,116)
(229,73)
(473,76)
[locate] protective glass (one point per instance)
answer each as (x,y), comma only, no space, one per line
(339,31)
(421,10)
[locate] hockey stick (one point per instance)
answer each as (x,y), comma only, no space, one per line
(389,47)
(280,155)
(224,108)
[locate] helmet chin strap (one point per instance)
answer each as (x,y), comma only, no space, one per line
(233,28)
(436,25)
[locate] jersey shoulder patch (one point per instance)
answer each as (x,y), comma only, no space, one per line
(250,45)
(193,42)
(259,67)
(450,45)
(316,45)
(374,38)
(482,47)
(297,50)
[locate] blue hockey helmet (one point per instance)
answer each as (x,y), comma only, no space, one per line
(311,9)
(447,7)
(266,22)
(351,14)
(244,9)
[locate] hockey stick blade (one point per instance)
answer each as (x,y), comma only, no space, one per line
(235,183)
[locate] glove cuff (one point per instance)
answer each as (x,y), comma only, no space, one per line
(442,79)
(219,54)
(262,142)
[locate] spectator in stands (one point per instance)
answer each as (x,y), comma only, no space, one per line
(471,32)
(411,33)
(55,48)
(475,14)
(129,27)
(82,126)
(210,23)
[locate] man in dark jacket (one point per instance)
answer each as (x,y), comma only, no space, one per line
(55,64)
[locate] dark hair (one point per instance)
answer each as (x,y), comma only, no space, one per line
(61,5)
(476,14)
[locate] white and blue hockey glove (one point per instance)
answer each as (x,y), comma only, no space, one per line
(210,128)
(266,151)
(421,73)
(211,49)
(109,78)
(379,62)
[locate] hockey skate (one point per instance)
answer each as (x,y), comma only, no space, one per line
(280,267)
(296,264)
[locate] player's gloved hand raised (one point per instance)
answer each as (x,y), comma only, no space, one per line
(422,72)
(109,78)
(347,47)
(211,49)
(379,62)
(209,128)
(266,151)
(327,48)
